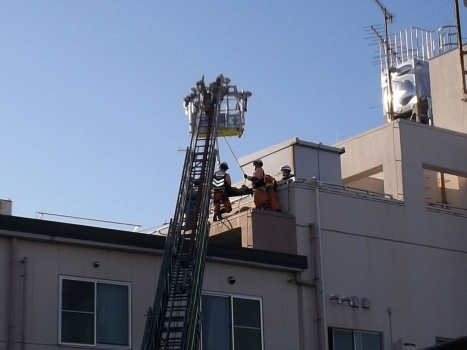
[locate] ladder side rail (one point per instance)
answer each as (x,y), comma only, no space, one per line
(155,320)
(174,312)
(169,313)
(166,277)
(201,240)
(181,272)
(203,206)
(193,307)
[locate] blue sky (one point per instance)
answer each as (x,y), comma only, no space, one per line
(91,117)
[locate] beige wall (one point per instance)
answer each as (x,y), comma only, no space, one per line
(279,299)
(307,159)
(449,111)
(46,261)
(373,151)
(378,249)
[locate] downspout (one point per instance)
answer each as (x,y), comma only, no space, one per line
(323,341)
(11,296)
(301,327)
(23,318)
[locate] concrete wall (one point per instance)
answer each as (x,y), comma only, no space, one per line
(449,111)
(317,161)
(372,152)
(6,207)
(376,249)
(307,159)
(46,261)
(279,299)
(431,148)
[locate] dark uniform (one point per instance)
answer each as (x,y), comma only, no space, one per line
(221,185)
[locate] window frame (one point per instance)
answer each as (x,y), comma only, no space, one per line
(353,332)
(231,314)
(95,281)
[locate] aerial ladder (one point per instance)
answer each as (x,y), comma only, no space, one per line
(174,321)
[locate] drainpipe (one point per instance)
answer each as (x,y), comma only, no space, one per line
(23,318)
(319,277)
(11,296)
(301,327)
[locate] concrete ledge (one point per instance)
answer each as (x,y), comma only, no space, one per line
(257,229)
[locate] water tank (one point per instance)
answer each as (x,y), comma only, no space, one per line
(411,91)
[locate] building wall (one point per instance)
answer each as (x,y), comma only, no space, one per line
(449,111)
(46,261)
(372,152)
(378,249)
(307,159)
(279,299)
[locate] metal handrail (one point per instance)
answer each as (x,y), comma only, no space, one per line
(88,219)
(446,208)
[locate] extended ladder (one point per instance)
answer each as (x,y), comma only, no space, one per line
(174,323)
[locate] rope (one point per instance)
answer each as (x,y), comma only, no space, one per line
(238,163)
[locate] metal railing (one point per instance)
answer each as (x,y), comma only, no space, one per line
(40,216)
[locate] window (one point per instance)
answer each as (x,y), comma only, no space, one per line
(94,313)
(353,340)
(231,323)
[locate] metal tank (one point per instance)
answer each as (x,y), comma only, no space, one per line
(410,89)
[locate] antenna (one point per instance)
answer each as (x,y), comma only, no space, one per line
(388,18)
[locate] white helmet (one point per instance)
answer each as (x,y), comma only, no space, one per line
(286,168)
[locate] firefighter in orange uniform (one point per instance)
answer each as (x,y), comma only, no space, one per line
(271,187)
(260,195)
(221,185)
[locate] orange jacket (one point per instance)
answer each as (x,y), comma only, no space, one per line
(270,181)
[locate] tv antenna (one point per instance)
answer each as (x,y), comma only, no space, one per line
(388,18)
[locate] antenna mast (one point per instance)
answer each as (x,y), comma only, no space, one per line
(388,18)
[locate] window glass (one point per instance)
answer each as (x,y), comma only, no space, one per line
(112,314)
(246,312)
(78,296)
(223,314)
(94,313)
(371,341)
(343,340)
(247,339)
(354,340)
(77,328)
(216,323)
(77,312)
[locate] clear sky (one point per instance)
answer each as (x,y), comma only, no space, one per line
(91,116)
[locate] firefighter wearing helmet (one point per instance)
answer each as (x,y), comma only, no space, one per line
(287,175)
(221,186)
(260,196)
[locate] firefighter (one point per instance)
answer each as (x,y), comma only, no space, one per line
(260,195)
(287,175)
(271,187)
(221,186)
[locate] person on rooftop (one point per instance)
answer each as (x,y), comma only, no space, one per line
(258,183)
(287,175)
(221,186)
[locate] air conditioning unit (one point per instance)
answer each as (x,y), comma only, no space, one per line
(411,91)
(401,345)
